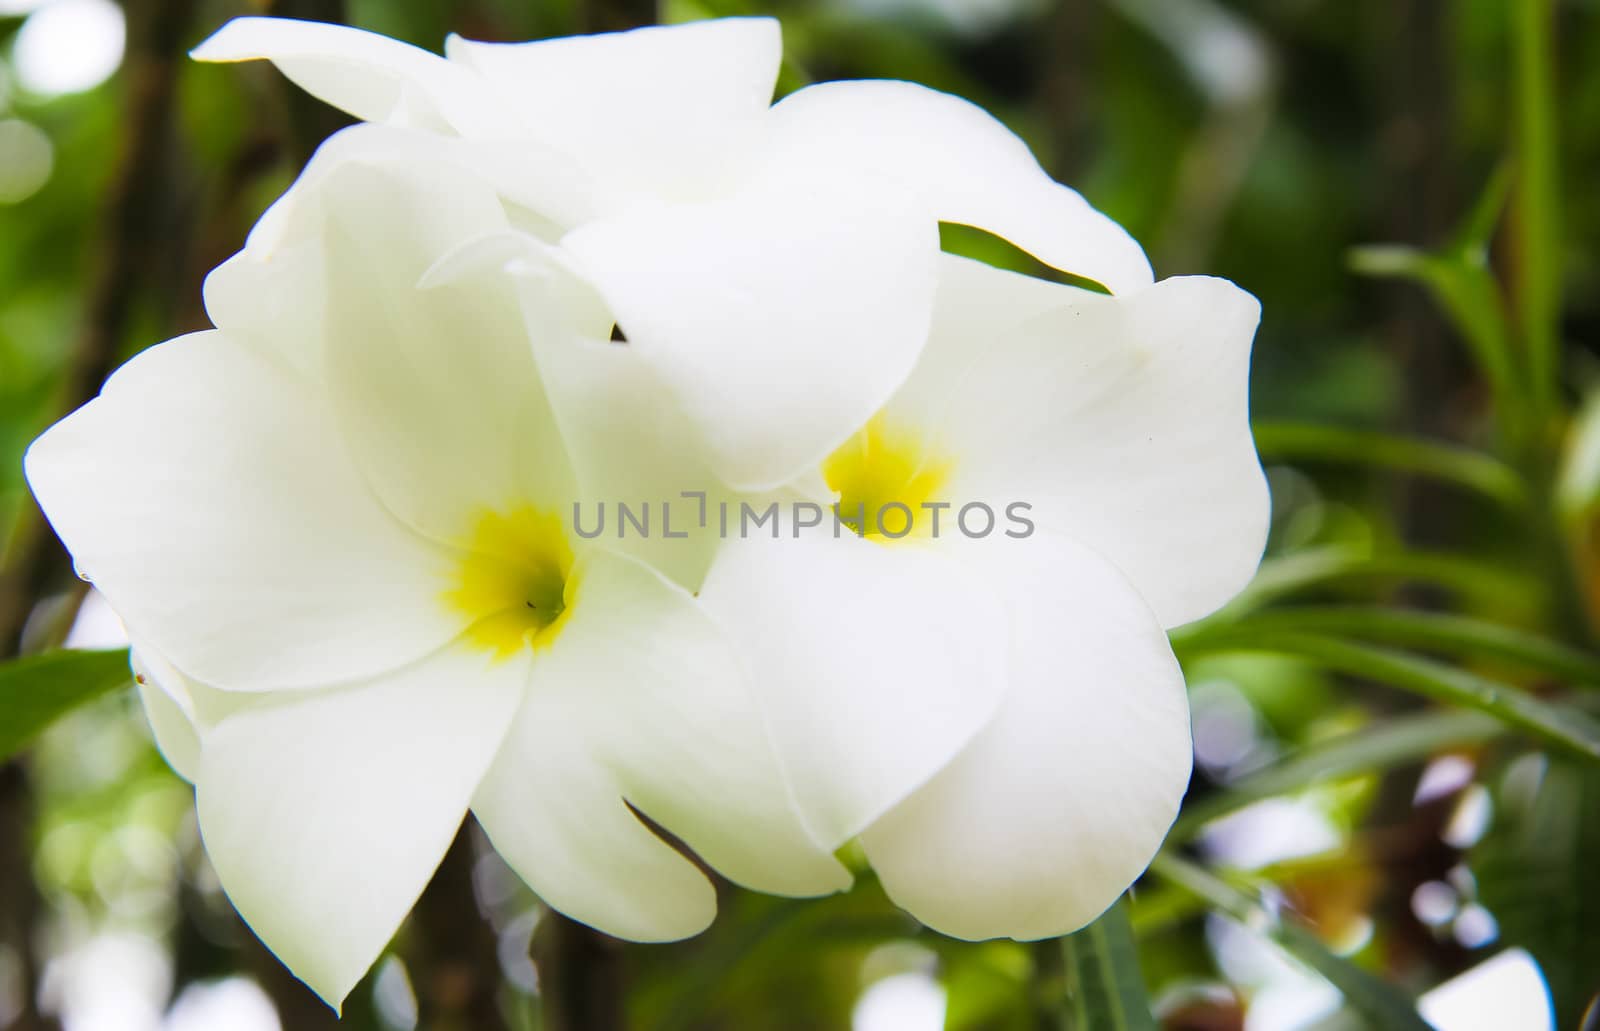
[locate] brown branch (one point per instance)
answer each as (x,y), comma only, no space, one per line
(131,234)
(35,562)
(581,976)
(453,950)
(310,120)
(20,902)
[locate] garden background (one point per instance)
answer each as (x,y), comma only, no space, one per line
(1397,767)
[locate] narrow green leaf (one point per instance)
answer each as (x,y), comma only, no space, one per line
(1392,742)
(1538,192)
(1465,291)
(40,689)
(1334,566)
(1535,870)
(1570,729)
(1384,1006)
(1435,631)
(1476,232)
(1105,990)
(1466,468)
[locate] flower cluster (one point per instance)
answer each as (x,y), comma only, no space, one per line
(544,276)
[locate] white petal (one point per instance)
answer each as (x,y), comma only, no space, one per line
(557,816)
(208,496)
(777,353)
(164,693)
(674,714)
(1060,803)
(436,388)
(631,444)
(373,77)
(963,165)
(275,291)
(659,110)
(1123,422)
(326,812)
(874,663)
(274,301)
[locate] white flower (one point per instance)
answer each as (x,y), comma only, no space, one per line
(806,232)
(335,529)
(1122,423)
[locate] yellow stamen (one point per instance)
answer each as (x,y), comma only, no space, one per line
(515,581)
(879,470)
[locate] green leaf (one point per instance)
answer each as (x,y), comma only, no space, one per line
(1537,200)
(1384,1006)
(40,689)
(1392,742)
(1105,990)
(1477,229)
(1337,565)
(1434,631)
(1570,729)
(1535,871)
(1467,293)
(1466,468)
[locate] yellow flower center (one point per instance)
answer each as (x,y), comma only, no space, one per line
(514,581)
(885,476)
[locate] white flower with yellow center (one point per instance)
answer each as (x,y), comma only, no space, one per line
(1118,427)
(774,264)
(336,529)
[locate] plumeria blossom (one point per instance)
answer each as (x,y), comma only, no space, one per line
(334,528)
(655,157)
(1120,422)
(334,525)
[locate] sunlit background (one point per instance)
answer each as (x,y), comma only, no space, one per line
(1256,139)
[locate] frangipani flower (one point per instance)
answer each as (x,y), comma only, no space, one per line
(334,528)
(1120,424)
(808,229)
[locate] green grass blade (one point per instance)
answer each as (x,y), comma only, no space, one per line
(1382,1005)
(1338,566)
(1537,195)
(1461,466)
(1564,727)
(1410,628)
(1105,990)
(1392,742)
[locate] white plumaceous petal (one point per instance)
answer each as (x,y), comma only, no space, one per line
(373,77)
(326,812)
(275,291)
(874,663)
(781,319)
(436,388)
(275,301)
(641,699)
(661,111)
(959,162)
(1123,421)
(630,444)
(164,693)
(674,714)
(1060,803)
(207,494)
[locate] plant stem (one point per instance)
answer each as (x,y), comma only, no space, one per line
(580,976)
(1538,225)
(454,959)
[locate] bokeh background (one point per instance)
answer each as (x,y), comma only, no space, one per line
(1411,187)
